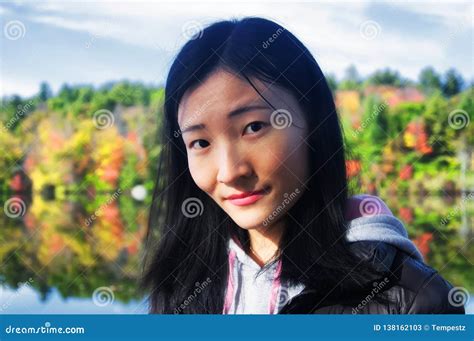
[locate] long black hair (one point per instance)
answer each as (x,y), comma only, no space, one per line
(186,272)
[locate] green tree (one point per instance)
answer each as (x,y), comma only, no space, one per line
(376,114)
(466,104)
(429,80)
(374,127)
(101,100)
(387,77)
(68,93)
(129,94)
(45,92)
(403,114)
(86,94)
(453,83)
(351,80)
(441,136)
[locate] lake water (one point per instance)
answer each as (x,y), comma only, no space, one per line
(55,259)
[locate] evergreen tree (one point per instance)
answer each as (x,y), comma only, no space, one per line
(45,92)
(453,83)
(429,80)
(351,80)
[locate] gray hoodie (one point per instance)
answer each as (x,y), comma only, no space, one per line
(251,294)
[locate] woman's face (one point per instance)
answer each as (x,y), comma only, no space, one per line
(235,145)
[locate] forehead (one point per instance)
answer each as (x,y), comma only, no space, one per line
(221,92)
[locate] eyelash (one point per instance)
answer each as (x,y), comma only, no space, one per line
(263,125)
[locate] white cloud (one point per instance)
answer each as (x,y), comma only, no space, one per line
(9,86)
(329,29)
(3,10)
(448,13)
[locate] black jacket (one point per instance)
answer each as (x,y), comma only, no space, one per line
(408,286)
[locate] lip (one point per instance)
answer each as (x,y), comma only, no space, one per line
(247,198)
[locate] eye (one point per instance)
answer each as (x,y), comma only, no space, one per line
(256,126)
(204,141)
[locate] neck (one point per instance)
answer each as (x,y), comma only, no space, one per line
(265,241)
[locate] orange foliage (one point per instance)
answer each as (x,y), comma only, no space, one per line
(415,136)
(406,213)
(406,172)
(352,167)
(422,242)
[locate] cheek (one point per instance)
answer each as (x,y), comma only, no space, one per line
(201,174)
(298,161)
(286,157)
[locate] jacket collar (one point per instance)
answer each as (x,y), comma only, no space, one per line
(382,257)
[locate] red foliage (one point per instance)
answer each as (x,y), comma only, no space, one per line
(111,168)
(406,213)
(56,244)
(29,164)
(111,174)
(111,214)
(16,183)
(132,248)
(30,222)
(132,137)
(419,131)
(352,167)
(56,141)
(406,172)
(371,188)
(422,242)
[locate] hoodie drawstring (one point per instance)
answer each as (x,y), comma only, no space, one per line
(276,284)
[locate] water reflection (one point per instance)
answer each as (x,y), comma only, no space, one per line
(56,248)
(83,255)
(26,300)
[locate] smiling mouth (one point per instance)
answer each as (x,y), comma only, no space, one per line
(245,199)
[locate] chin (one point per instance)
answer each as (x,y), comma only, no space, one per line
(249,222)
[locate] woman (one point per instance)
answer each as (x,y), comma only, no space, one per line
(251,205)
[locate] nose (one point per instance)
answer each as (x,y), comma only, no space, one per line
(232,166)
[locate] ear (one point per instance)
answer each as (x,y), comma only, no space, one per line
(365,205)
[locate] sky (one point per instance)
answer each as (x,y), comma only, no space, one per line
(94,42)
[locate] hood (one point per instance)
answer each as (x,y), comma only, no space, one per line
(375,239)
(382,228)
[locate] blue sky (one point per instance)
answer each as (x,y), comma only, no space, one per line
(93,42)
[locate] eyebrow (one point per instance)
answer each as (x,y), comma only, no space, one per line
(236,112)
